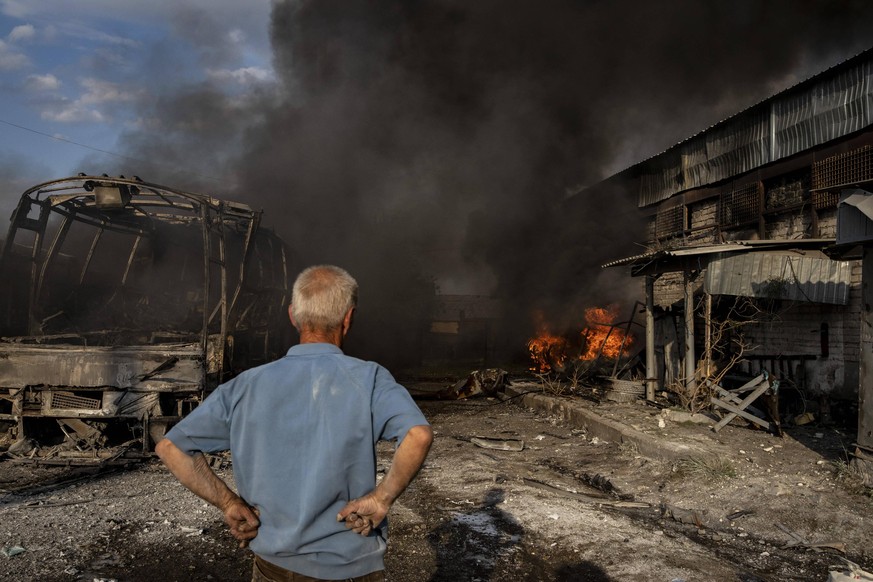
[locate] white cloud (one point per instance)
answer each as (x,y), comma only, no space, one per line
(72,112)
(237,36)
(97,91)
(11,59)
(87,107)
(16,9)
(22,32)
(47,82)
(243,76)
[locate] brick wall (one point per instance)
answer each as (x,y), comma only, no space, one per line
(703,217)
(827,223)
(789,226)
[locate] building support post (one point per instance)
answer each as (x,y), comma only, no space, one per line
(651,368)
(707,336)
(690,363)
(863,460)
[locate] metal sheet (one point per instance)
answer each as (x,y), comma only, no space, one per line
(807,243)
(831,105)
(780,276)
(99,367)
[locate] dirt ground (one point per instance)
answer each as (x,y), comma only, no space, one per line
(569,506)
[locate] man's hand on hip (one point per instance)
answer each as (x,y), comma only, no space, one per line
(367,512)
(242,519)
(364,514)
(194,473)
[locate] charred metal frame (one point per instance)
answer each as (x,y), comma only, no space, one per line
(184,370)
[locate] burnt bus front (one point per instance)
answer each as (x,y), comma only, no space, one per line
(123,304)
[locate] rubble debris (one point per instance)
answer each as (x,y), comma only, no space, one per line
(625,390)
(848,572)
(218,461)
(798,540)
(10,551)
(498,444)
(685,416)
(192,531)
(586,498)
(805,418)
(838,546)
(565,492)
(22,447)
(686,516)
(479,383)
(738,514)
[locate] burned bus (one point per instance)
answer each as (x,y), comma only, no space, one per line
(122,305)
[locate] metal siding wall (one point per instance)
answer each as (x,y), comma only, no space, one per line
(835,106)
(809,279)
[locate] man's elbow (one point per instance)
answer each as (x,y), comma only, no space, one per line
(421,435)
(164,449)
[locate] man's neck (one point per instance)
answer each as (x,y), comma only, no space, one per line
(322,336)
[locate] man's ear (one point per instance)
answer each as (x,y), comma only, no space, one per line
(291,316)
(347,320)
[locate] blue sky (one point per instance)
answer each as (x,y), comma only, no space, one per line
(84,71)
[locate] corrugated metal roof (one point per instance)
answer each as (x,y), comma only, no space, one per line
(830,105)
(743,245)
(680,252)
(776,275)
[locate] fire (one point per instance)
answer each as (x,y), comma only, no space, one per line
(546,349)
(601,337)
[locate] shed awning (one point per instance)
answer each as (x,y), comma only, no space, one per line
(795,270)
(731,247)
(780,275)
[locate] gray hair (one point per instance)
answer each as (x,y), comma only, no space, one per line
(322,296)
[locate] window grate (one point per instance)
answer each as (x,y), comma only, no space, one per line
(844,169)
(740,206)
(671,222)
(68,400)
(825,199)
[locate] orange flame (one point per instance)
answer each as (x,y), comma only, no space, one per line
(600,337)
(546,349)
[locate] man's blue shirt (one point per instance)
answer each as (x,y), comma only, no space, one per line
(302,432)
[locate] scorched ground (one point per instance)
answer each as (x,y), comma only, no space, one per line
(567,507)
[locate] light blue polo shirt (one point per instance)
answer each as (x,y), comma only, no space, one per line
(302,432)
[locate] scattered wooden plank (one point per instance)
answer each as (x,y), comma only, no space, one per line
(739,410)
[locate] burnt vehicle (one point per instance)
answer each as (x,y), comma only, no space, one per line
(122,305)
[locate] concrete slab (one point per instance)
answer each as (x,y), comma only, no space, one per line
(581,414)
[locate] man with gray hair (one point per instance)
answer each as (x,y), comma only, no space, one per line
(302,431)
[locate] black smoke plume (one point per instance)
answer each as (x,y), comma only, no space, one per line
(443,142)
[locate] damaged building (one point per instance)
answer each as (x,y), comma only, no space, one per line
(124,303)
(755,249)
(463,330)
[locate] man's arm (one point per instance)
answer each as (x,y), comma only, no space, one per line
(367,512)
(193,472)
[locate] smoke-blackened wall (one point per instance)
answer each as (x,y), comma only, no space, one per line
(421,143)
